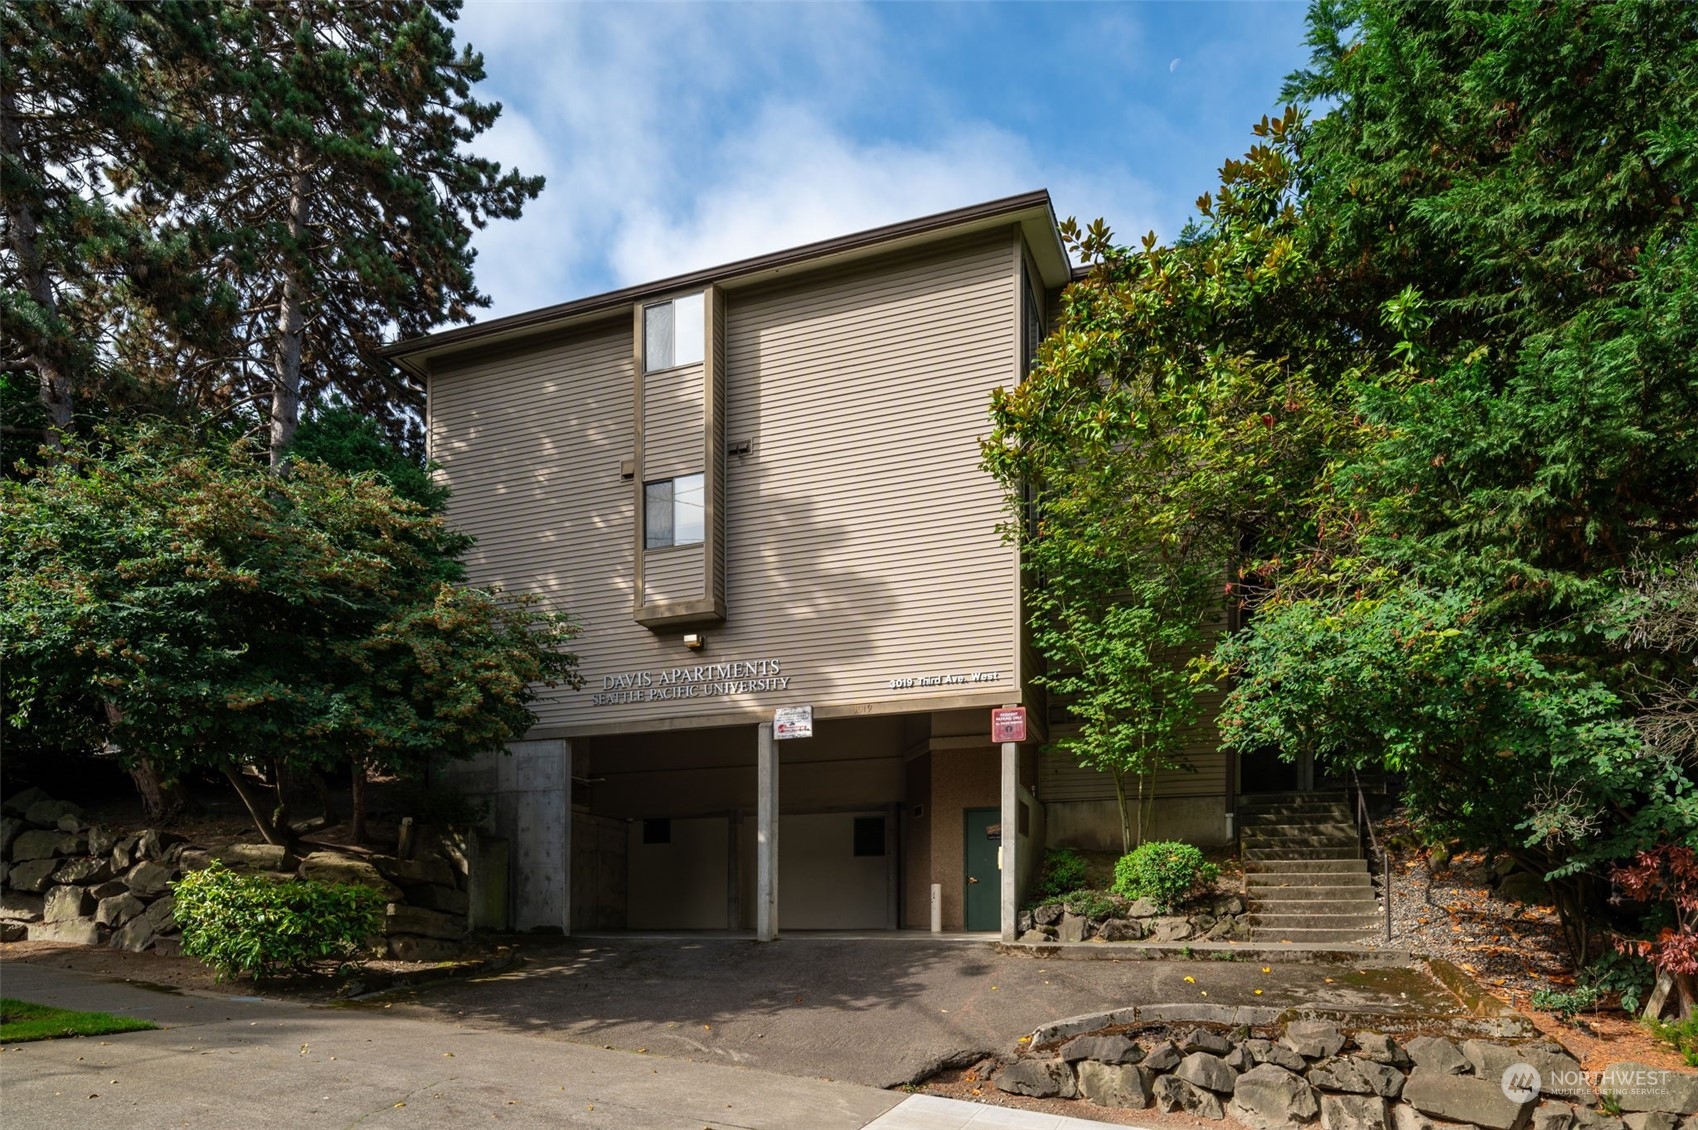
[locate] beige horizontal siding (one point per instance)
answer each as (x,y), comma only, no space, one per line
(673,419)
(1061,778)
(672,574)
(861,538)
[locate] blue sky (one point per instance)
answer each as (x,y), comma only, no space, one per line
(681,136)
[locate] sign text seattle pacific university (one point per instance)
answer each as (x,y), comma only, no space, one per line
(707,680)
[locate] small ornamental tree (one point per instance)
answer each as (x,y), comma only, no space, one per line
(1668,874)
(184,605)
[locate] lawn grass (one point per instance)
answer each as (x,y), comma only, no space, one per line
(21,1021)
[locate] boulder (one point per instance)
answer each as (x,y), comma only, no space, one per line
(329,867)
(69,823)
(1115,1085)
(1121,930)
(101,840)
(449,900)
(13,931)
(149,880)
(1202,922)
(1313,1039)
(1586,1118)
(1048,914)
(1462,1098)
(403,919)
(1266,1051)
(108,889)
(1072,928)
(194,859)
(43,845)
(1221,929)
(1340,1074)
(118,909)
(1650,1120)
(1381,1049)
(33,875)
(1163,1057)
(151,843)
(124,853)
(1207,1071)
(1353,1112)
(1143,908)
(1520,886)
(46,813)
(1238,1058)
(1641,1087)
(1430,1053)
(11,827)
(1172,928)
(411,947)
(16,906)
(259,857)
(1406,1117)
(1034,938)
(1387,1081)
(1173,1093)
(86,870)
(1272,1098)
(1112,1050)
(1553,1116)
(426,870)
(1038,1078)
(1203,1040)
(1560,1074)
(163,914)
(1021,924)
(136,935)
(18,803)
(63,904)
(72,931)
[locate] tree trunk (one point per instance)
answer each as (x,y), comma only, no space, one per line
(1125,817)
(1686,988)
(358,823)
(161,798)
(291,322)
(268,829)
(55,386)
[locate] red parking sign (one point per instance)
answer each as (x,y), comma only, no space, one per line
(1008,724)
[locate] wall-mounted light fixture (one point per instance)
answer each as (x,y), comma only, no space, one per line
(693,641)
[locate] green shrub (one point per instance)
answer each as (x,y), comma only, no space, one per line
(1064,871)
(1565,1004)
(1165,872)
(1682,1035)
(1626,974)
(1096,905)
(262,926)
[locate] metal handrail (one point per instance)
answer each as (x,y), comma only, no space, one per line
(1370,844)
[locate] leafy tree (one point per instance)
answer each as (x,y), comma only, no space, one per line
(187,606)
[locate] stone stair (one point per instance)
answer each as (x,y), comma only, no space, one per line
(1304,876)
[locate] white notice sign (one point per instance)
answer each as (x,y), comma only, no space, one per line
(792,722)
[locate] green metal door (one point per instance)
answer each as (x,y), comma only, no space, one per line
(984,878)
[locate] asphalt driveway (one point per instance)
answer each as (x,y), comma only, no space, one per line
(880,1011)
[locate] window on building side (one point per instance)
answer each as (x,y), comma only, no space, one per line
(672,333)
(674,512)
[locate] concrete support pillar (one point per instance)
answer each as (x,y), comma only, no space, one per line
(566,838)
(766,835)
(1010,851)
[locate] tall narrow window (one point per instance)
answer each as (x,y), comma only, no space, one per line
(674,512)
(673,333)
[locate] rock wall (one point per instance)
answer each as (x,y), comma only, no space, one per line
(64,879)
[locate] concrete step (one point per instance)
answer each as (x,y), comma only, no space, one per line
(1261,896)
(1321,907)
(1313,935)
(1282,852)
(1286,827)
(1294,836)
(1285,815)
(1344,863)
(1267,884)
(1364,920)
(1343,811)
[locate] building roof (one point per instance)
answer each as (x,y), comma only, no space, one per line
(1031,210)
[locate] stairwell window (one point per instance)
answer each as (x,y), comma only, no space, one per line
(674,512)
(672,333)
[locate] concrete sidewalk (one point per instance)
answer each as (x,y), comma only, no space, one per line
(221,1061)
